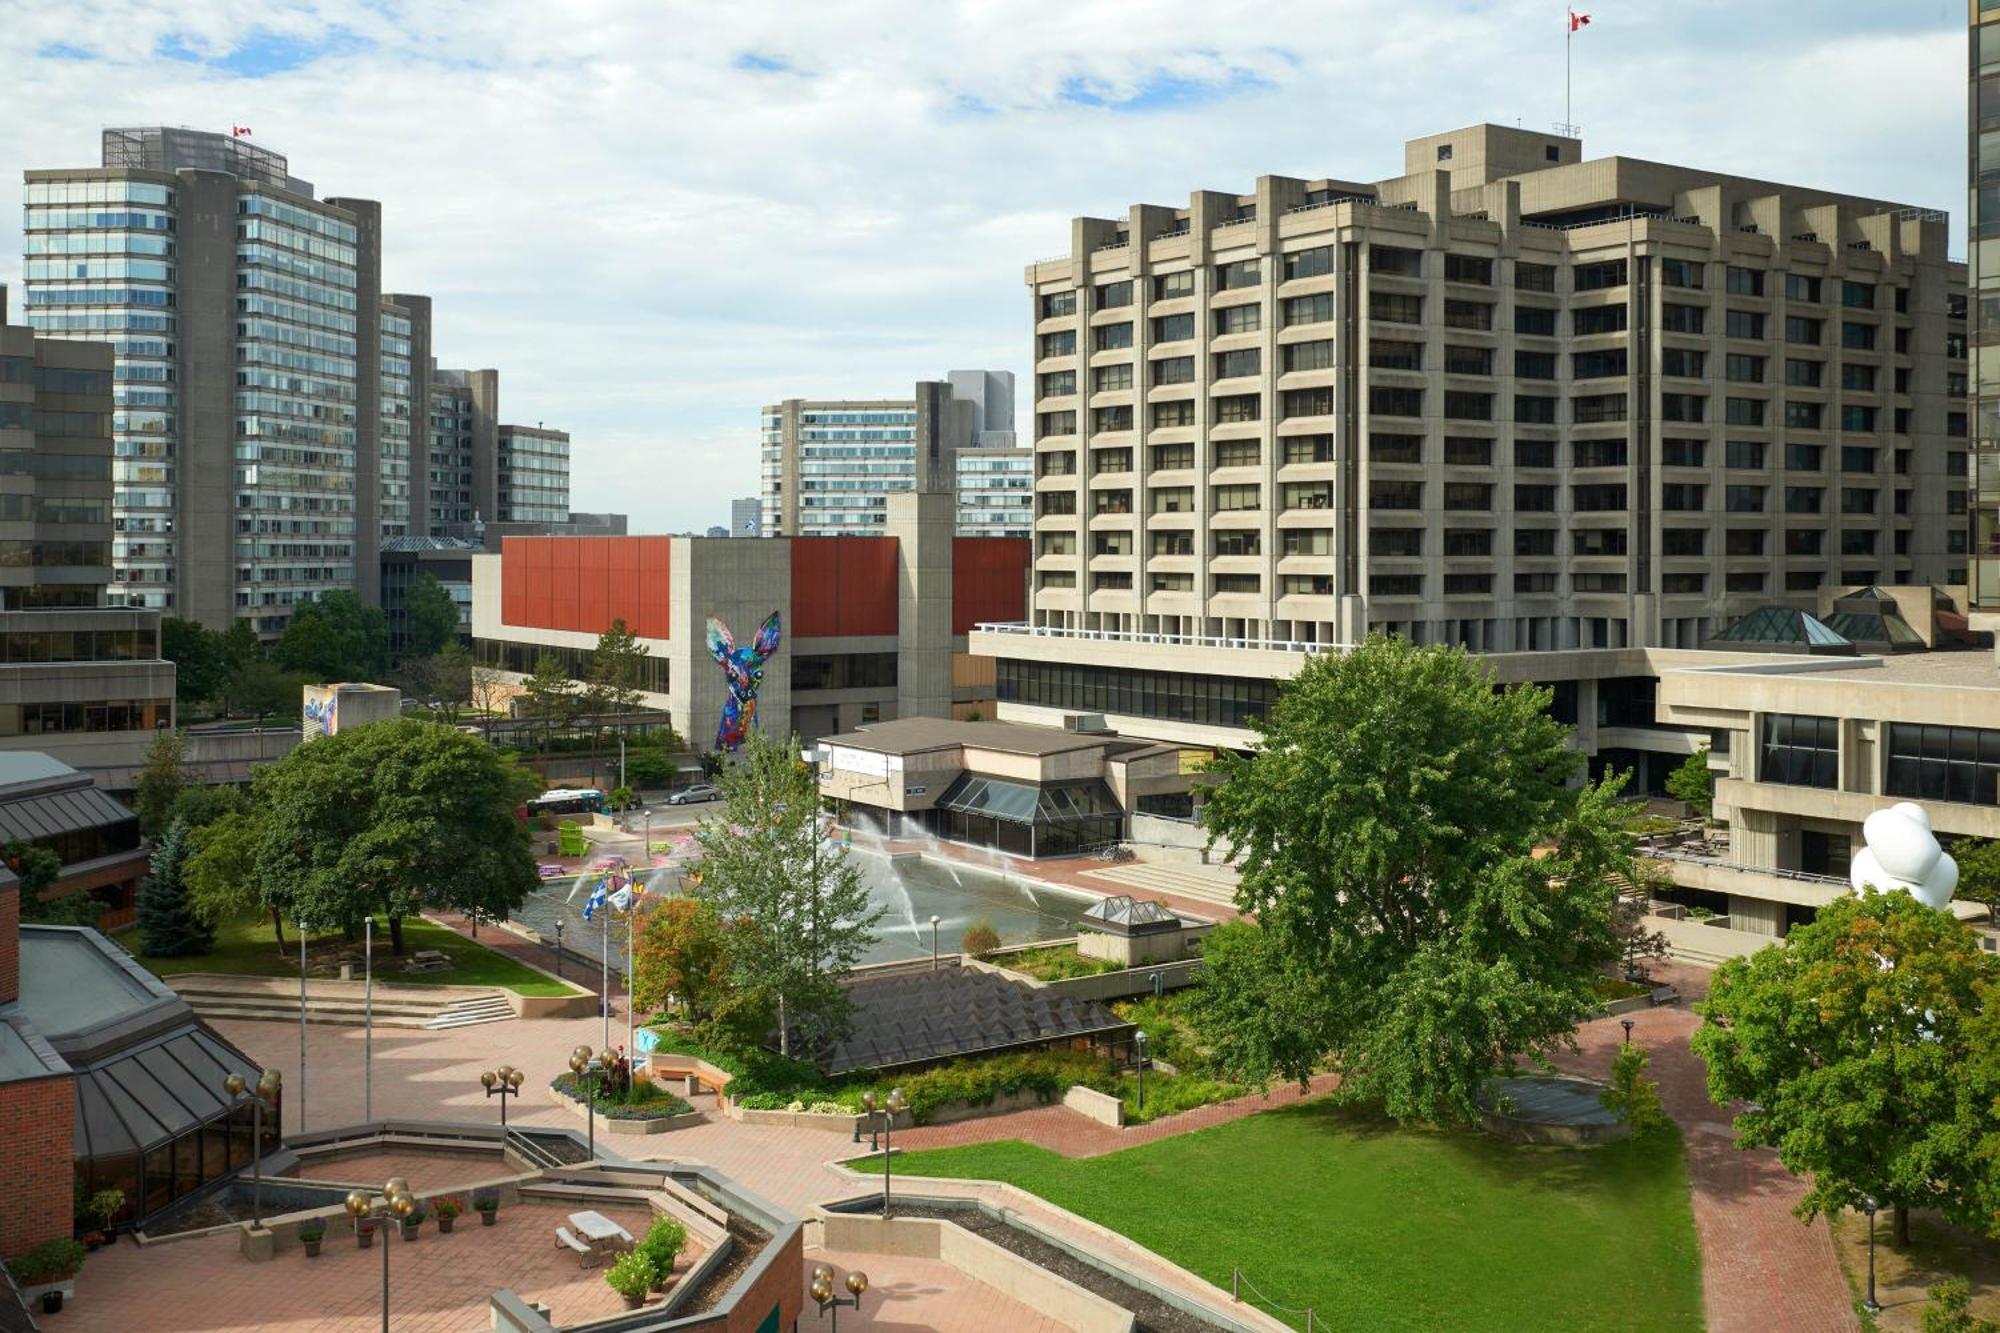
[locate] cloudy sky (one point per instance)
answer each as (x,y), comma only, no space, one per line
(654,216)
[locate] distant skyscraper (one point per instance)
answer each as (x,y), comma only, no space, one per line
(991,393)
(1983,157)
(746,517)
(534,475)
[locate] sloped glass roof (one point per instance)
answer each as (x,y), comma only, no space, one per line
(1127,911)
(1887,628)
(1026,803)
(1782,625)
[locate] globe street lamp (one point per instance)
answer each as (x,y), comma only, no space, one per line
(395,1203)
(934,954)
(889,1108)
(822,1292)
(264,1098)
(1141,1039)
(588,1070)
(1871,1305)
(1626,1023)
(503,1083)
(559,929)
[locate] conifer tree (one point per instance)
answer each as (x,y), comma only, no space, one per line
(168,927)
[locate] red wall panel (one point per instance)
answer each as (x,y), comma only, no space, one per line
(989,580)
(584,583)
(843,586)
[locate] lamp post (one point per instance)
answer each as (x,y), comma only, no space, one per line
(890,1107)
(822,1292)
(395,1203)
(934,926)
(588,1069)
(503,1083)
(263,1098)
(1626,1023)
(368,1019)
(1141,1039)
(302,1027)
(1871,1305)
(559,928)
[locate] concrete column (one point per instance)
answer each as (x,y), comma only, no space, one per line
(205,468)
(923,528)
(367,398)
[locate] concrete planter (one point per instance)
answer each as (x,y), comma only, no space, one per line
(611,1125)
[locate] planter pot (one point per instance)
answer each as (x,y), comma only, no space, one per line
(444,1225)
(363,1239)
(410,1233)
(488,1216)
(52,1302)
(312,1248)
(631,1302)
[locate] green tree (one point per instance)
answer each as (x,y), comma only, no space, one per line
(201,805)
(162,780)
(168,925)
(37,868)
(201,666)
(1856,1046)
(766,861)
(1693,783)
(1950,1310)
(1631,1096)
(615,668)
(264,689)
(1978,869)
(1427,876)
(430,618)
(391,818)
(335,637)
(682,951)
(221,872)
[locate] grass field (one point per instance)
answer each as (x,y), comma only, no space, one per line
(246,948)
(1378,1228)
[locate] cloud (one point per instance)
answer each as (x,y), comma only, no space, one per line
(655,221)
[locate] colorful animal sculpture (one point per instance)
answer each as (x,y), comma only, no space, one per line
(744,668)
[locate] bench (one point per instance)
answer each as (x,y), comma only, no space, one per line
(587,1255)
(1666,995)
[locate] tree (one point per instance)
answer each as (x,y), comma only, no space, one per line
(487,689)
(1857,1047)
(162,780)
(201,667)
(221,872)
(615,668)
(549,689)
(1978,869)
(37,868)
(168,925)
(1693,783)
(262,688)
(201,805)
(430,618)
(979,939)
(335,637)
(1435,895)
(766,862)
(1637,944)
(682,951)
(1631,1096)
(1950,1310)
(392,818)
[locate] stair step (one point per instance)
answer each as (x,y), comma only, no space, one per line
(260,1014)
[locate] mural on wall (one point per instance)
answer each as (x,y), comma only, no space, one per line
(744,669)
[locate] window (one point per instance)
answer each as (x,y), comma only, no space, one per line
(1387,401)
(1459,406)
(1683,497)
(1599,408)
(1534,321)
(1805,374)
(1804,500)
(1111,337)
(1109,581)
(1110,418)
(1306,495)
(1105,378)
(1744,541)
(1745,580)
(1172,328)
(1744,411)
(1056,543)
(1468,541)
(1600,276)
(1233,499)
(1683,362)
(1468,360)
(1534,583)
(1534,541)
(1597,319)
(1597,499)
(1175,369)
(1683,585)
(1238,541)
(1467,495)
(1534,365)
(1174,695)
(1683,318)
(1238,407)
(1395,585)
(1385,448)
(1467,451)
(1744,369)
(1056,383)
(1111,543)
(1173,414)
(1057,502)
(1172,543)
(1857,295)
(1317,309)
(1860,420)
(1229,365)
(1238,319)
(1802,287)
(1395,494)
(1476,315)
(1532,410)
(1746,324)
(1467,585)
(1314,263)
(1597,541)
(1681,272)
(1171,499)
(1943,763)
(1857,458)
(1308,448)
(1800,750)
(1308,541)
(1057,304)
(1683,407)
(1468,268)
(1600,453)
(1805,457)
(1113,294)
(1684,541)
(1307,403)
(1386,355)
(1803,416)
(1683,453)
(1804,331)
(1858,499)
(1241,273)
(1056,463)
(1166,286)
(1744,281)
(1534,277)
(1743,453)
(1058,578)
(1239,453)
(1396,541)
(1110,460)
(1056,344)
(1055,423)
(1597,365)
(1111,502)
(1861,379)
(1535,499)
(1743,499)
(1170,583)
(1597,582)
(1857,337)
(1307,356)
(1169,457)
(1392,259)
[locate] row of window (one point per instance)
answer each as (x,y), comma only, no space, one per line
(1936,763)
(1179,696)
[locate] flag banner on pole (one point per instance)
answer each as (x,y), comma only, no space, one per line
(622,900)
(1577,20)
(594,901)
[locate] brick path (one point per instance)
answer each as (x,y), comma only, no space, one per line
(905,1294)
(1062,1130)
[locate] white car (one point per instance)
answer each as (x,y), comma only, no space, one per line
(699,792)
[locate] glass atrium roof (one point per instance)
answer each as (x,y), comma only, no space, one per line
(1027,803)
(1784,629)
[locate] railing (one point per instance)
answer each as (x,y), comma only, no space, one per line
(1695,858)
(1236,1284)
(1164,640)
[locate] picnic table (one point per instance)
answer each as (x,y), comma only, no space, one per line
(427,960)
(600,1230)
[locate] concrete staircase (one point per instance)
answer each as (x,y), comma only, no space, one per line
(275,999)
(1206,884)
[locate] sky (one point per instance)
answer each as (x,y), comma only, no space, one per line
(654,216)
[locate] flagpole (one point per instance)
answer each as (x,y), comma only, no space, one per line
(1569,36)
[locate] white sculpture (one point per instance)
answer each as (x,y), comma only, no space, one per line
(1903,853)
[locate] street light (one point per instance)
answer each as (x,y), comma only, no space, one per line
(1626,1023)
(559,926)
(1141,1039)
(264,1098)
(934,926)
(890,1108)
(302,1028)
(588,1070)
(1871,1305)
(395,1203)
(822,1292)
(503,1083)
(368,1020)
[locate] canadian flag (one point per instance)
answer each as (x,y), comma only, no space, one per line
(1577,20)
(240,131)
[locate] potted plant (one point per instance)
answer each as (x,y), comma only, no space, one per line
(311,1233)
(487,1204)
(447,1207)
(630,1276)
(414,1223)
(49,1267)
(102,1206)
(364,1232)
(663,1244)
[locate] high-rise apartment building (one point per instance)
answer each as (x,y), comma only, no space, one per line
(1511,399)
(996,492)
(829,466)
(463,476)
(533,473)
(246,321)
(746,517)
(1983,211)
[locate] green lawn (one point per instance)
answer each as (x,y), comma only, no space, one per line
(1384,1229)
(246,948)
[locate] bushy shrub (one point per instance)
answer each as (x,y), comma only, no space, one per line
(663,1244)
(1633,1097)
(979,939)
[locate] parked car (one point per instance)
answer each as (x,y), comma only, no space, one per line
(694,795)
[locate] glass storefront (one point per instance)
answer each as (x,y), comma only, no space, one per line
(1059,819)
